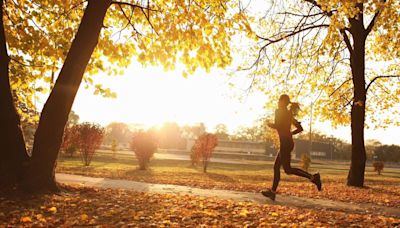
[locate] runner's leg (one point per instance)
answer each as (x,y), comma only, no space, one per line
(285,158)
(277,172)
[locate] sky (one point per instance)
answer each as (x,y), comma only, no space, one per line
(151,96)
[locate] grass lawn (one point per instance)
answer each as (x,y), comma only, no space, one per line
(254,176)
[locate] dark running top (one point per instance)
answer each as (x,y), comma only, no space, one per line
(283,123)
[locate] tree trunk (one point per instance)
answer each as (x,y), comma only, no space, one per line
(13,156)
(205,164)
(357,62)
(55,112)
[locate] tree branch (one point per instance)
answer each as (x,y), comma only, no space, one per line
(378,77)
(270,41)
(133,5)
(314,3)
(346,40)
(372,23)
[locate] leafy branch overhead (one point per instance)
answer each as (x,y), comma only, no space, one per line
(195,33)
(307,51)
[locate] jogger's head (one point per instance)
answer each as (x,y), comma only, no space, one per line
(284,101)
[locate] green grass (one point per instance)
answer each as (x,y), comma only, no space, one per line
(105,162)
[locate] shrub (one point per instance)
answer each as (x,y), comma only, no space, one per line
(70,140)
(144,144)
(378,166)
(305,161)
(71,149)
(203,148)
(90,136)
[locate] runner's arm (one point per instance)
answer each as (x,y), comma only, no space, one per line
(298,126)
(274,125)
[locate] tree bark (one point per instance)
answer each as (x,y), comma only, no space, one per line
(55,112)
(357,62)
(205,164)
(13,156)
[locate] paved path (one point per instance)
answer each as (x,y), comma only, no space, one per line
(284,200)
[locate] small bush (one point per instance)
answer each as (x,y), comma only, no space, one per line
(203,148)
(378,166)
(144,144)
(70,140)
(305,162)
(90,136)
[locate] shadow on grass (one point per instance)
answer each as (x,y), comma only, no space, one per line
(220,177)
(139,172)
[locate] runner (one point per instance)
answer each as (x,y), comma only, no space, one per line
(284,119)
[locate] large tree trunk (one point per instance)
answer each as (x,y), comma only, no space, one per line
(55,112)
(13,156)
(357,62)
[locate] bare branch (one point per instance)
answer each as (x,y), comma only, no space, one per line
(378,77)
(314,3)
(372,23)
(133,5)
(337,89)
(270,41)
(346,40)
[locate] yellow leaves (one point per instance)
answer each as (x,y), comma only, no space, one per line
(274,214)
(40,218)
(244,213)
(84,217)
(52,210)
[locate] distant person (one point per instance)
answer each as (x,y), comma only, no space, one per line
(284,119)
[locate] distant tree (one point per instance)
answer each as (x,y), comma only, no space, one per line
(370,147)
(89,138)
(387,153)
(119,132)
(144,144)
(203,149)
(73,119)
(221,131)
(254,133)
(194,131)
(170,136)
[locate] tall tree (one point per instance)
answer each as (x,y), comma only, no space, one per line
(321,49)
(54,116)
(196,32)
(13,154)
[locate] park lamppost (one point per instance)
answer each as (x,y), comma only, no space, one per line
(310,136)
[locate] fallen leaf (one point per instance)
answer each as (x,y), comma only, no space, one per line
(26,219)
(52,210)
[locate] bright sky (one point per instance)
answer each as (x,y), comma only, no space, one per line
(151,96)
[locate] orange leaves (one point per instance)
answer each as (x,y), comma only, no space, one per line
(26,219)
(163,210)
(203,148)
